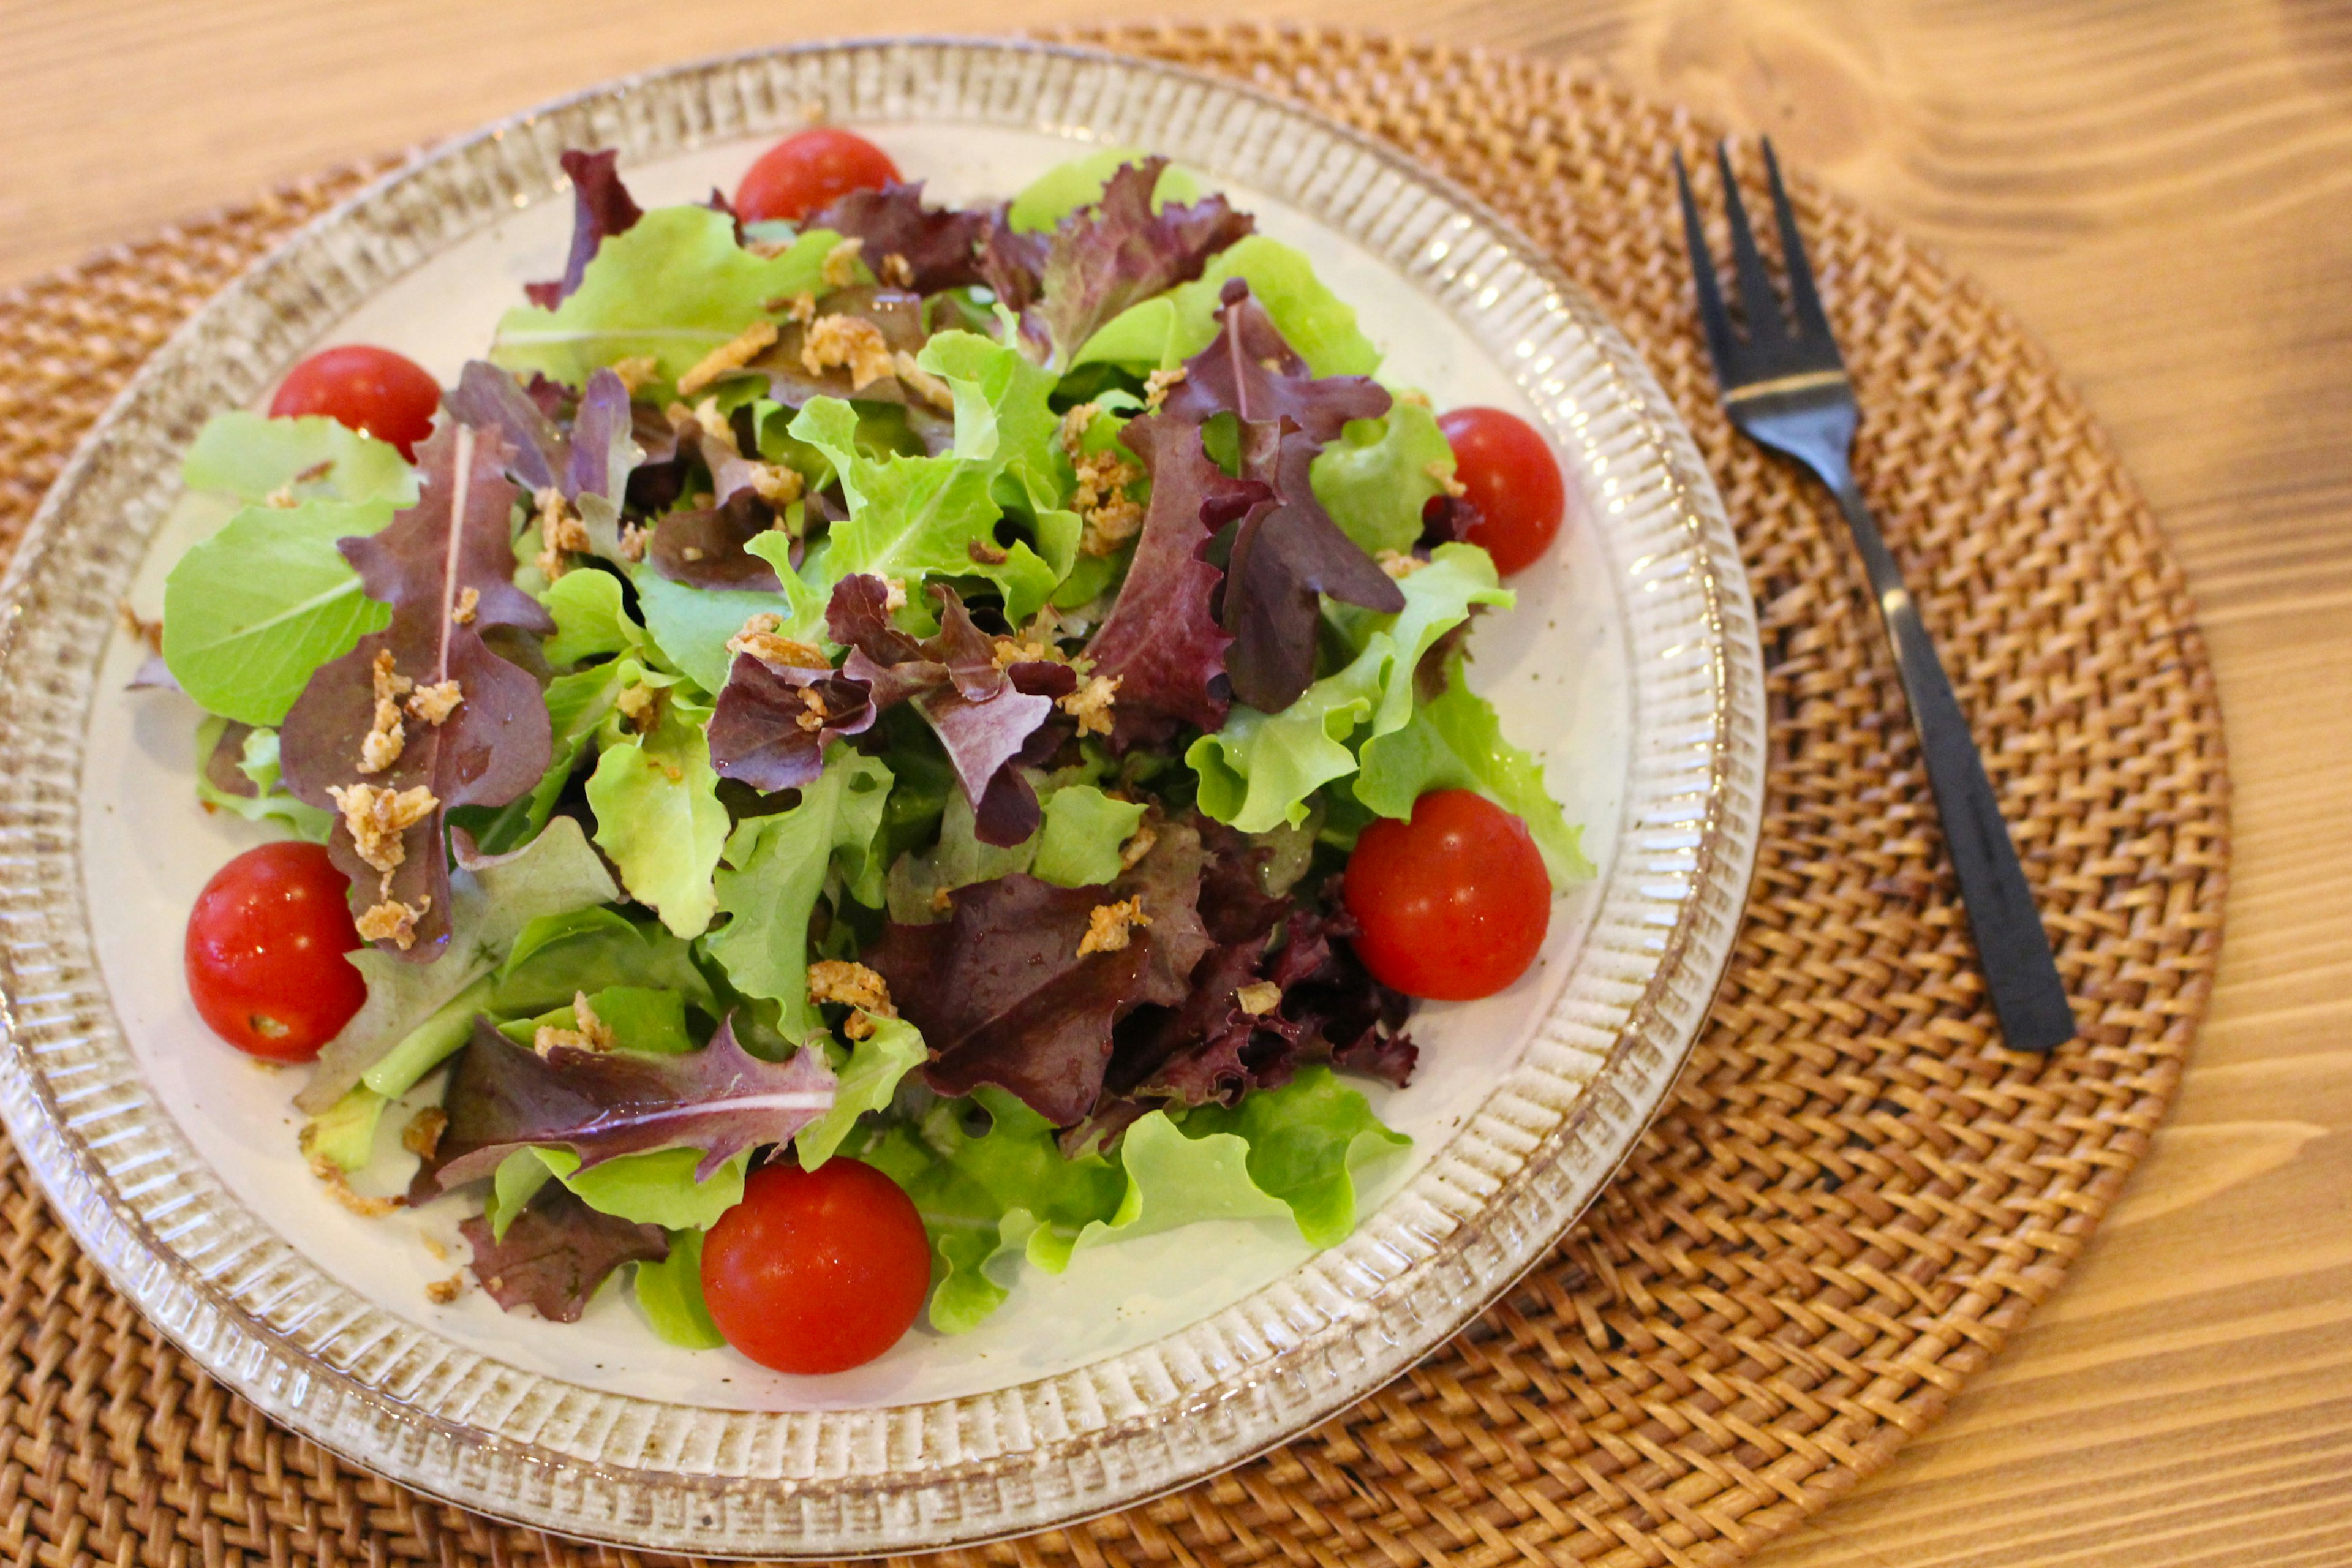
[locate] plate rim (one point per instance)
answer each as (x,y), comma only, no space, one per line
(241,1349)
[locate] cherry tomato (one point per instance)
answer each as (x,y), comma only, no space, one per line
(391,397)
(265,952)
(816,1271)
(1512,478)
(1452,905)
(806,172)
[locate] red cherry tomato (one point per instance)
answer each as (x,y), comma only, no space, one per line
(1452,905)
(806,172)
(1511,476)
(265,952)
(391,397)
(816,1271)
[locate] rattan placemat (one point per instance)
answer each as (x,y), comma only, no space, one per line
(1856,1195)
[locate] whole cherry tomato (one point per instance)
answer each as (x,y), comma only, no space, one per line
(391,397)
(1511,476)
(806,172)
(265,952)
(1452,904)
(816,1271)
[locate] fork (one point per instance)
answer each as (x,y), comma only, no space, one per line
(1785,386)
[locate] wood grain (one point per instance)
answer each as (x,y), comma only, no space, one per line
(2164,193)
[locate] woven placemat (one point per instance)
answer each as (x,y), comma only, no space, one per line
(1856,1195)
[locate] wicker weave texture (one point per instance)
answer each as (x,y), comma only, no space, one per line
(1856,1195)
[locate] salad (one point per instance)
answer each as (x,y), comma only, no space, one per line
(864,748)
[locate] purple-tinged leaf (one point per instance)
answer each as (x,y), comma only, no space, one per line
(1250,371)
(556,1252)
(1118,252)
(488,398)
(937,244)
(1012,262)
(445,566)
(758,733)
(1284,556)
(1343,1016)
(603,450)
(1003,994)
(1447,520)
(704,548)
(221,769)
(153,675)
(601,207)
(896,665)
(600,1105)
(1162,641)
(896,313)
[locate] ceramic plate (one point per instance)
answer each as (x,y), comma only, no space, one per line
(1630,665)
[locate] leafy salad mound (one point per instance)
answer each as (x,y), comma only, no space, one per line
(899,688)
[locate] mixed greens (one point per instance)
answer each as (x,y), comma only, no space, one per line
(899,688)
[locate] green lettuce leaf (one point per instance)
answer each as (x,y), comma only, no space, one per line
(1078,847)
(674,286)
(251,458)
(657,814)
(642,1018)
(1175,1180)
(1162,333)
(775,867)
(489,905)
(691,625)
(867,1082)
(1257,772)
(1456,742)
(1377,477)
(593,949)
(669,1293)
(1064,188)
(344,1134)
(590,618)
(257,761)
(653,1188)
(1306,1141)
(250,612)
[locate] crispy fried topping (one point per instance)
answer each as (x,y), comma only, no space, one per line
(856,986)
(1111,517)
(746,346)
(392,921)
(840,268)
(377,816)
(1090,704)
(1259,997)
(1398,564)
(589,1032)
(943,901)
(633,541)
(1413,396)
(282,498)
(1138,846)
(706,418)
(469,603)
(850,341)
(778,484)
(761,639)
(560,531)
(1158,385)
(338,1185)
(433,1246)
(801,308)
(138,626)
(441,1293)
(381,747)
(640,706)
(815,719)
(435,702)
(897,272)
(1109,926)
(921,382)
(1439,469)
(894,593)
(637,371)
(422,1134)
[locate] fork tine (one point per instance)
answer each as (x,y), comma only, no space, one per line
(1756,300)
(1811,321)
(1711,313)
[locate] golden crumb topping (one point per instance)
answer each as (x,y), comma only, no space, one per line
(588,1032)
(1259,997)
(1159,384)
(921,382)
(856,986)
(733,355)
(850,342)
(1109,926)
(840,268)
(1442,471)
(469,603)
(1398,564)
(381,745)
(637,371)
(392,921)
(434,703)
(1090,704)
(422,1134)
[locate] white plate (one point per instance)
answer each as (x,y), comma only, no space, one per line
(1631,664)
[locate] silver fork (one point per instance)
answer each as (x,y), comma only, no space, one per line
(1785,386)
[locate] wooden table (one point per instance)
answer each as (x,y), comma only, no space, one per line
(2163,192)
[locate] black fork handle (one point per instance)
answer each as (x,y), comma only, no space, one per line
(2012,948)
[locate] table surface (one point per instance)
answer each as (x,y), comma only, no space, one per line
(2163,192)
